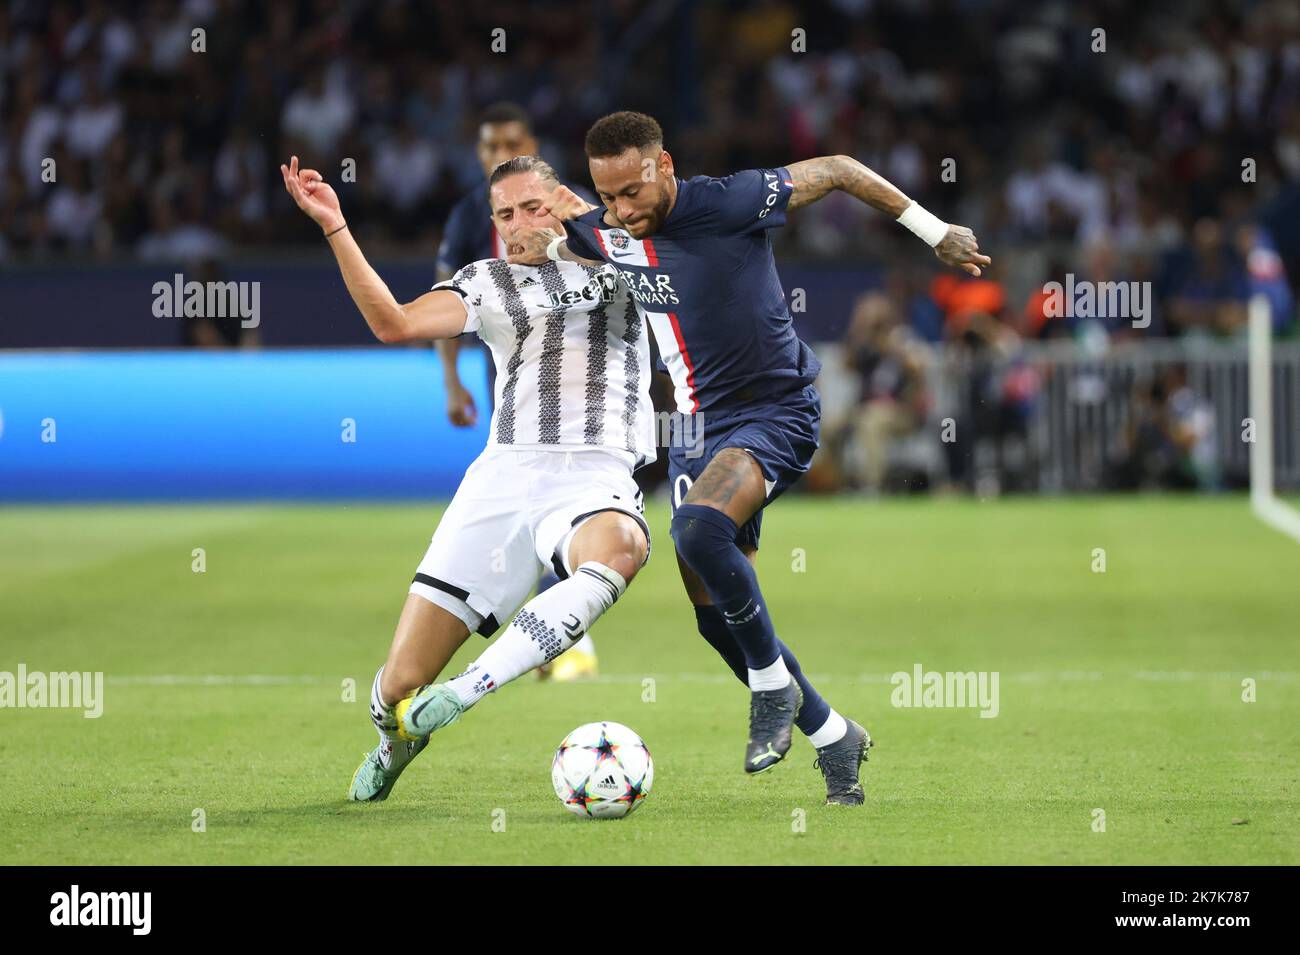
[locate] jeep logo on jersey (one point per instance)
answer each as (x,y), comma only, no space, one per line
(619,238)
(602,287)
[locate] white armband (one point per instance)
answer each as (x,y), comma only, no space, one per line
(930,228)
(553,249)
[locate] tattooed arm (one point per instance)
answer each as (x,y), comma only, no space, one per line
(530,248)
(815,178)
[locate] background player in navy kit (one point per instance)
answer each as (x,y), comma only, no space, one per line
(698,258)
(504,132)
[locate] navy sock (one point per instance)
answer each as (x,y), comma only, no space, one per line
(713,628)
(815,710)
(706,540)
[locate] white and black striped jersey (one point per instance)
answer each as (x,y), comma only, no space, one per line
(571,352)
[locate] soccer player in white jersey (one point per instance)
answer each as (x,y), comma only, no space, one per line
(553,488)
(505,131)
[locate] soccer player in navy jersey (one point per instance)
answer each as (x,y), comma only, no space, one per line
(504,132)
(697,256)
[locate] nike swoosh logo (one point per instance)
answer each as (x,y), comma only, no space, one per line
(621,255)
(415,716)
(737,614)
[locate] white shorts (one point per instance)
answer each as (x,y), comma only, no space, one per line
(511,520)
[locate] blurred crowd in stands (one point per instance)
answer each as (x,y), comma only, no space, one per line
(1101,139)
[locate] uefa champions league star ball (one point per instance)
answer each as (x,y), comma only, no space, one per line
(602,771)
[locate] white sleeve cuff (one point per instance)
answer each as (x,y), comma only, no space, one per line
(472,322)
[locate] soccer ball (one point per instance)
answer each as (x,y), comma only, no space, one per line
(602,771)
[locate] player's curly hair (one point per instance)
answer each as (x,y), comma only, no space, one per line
(614,134)
(524,164)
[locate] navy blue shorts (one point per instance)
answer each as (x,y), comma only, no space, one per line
(780,435)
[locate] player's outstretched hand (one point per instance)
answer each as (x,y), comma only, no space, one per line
(960,247)
(528,246)
(564,203)
(460,407)
(313,195)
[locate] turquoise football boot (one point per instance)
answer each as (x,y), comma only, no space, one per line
(431,708)
(372,782)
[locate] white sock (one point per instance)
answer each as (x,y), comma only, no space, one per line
(381,714)
(547,625)
(832,731)
(771,677)
(585,645)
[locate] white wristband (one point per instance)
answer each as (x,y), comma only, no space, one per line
(553,249)
(930,228)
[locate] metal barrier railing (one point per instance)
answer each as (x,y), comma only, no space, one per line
(1053,416)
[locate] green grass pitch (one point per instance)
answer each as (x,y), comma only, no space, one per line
(1119,691)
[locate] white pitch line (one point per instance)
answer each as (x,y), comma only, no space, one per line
(1278,515)
(1263,500)
(215,679)
(1064,676)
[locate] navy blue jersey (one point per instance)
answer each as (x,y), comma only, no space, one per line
(469,235)
(707,284)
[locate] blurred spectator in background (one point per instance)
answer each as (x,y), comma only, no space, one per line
(990,415)
(1003,117)
(74,208)
(1265,274)
(1043,194)
(406,174)
(1209,292)
(1040,321)
(237,174)
(961,298)
(173,239)
(890,365)
(93,121)
(1168,439)
(317,116)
